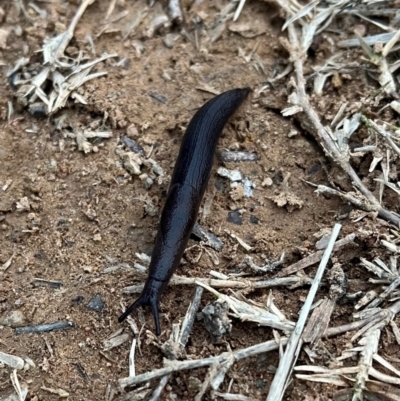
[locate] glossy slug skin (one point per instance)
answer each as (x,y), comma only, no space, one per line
(188,184)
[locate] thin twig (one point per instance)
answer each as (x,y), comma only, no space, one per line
(41,328)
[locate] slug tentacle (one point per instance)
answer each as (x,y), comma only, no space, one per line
(188,184)
(149,297)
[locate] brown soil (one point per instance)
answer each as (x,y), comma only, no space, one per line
(55,239)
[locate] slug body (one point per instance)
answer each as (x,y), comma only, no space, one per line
(188,184)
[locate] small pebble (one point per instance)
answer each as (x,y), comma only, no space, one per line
(53,166)
(233,175)
(96,303)
(254,219)
(23,204)
(132,145)
(13,318)
(248,186)
(88,269)
(158,97)
(132,131)
(194,384)
(78,300)
(97,237)
(170,39)
(132,163)
(216,320)
(235,217)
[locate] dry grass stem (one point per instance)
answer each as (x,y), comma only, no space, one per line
(287,362)
(247,285)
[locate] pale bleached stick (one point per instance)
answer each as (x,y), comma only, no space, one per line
(132,359)
(286,364)
(183,338)
(247,285)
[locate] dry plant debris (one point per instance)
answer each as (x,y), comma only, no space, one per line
(375,312)
(66,75)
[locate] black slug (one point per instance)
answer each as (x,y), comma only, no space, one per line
(188,184)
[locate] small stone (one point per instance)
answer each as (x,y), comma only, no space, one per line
(96,303)
(122,123)
(361,29)
(267,182)
(147,181)
(233,175)
(132,163)
(194,384)
(31,216)
(132,131)
(3,38)
(19,302)
(79,299)
(13,318)
(260,384)
(170,40)
(63,225)
(90,214)
(336,80)
(23,204)
(248,186)
(216,320)
(53,166)
(254,219)
(132,145)
(97,237)
(235,217)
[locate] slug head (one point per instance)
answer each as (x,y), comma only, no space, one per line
(145,299)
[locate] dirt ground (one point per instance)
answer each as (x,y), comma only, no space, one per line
(84,207)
